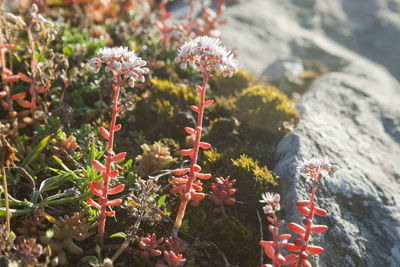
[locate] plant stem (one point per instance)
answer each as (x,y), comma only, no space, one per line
(310,217)
(8,224)
(186,196)
(275,238)
(110,154)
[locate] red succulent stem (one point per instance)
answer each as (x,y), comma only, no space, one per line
(310,217)
(186,195)
(110,154)
(275,238)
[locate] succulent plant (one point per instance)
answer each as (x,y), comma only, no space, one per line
(155,157)
(66,230)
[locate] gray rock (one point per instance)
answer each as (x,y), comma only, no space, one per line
(353,118)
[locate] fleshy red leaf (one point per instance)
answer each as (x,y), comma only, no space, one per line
(290,258)
(303,203)
(208,102)
(117,127)
(99,166)
(114,202)
(307,263)
(269,251)
(279,259)
(118,189)
(181,171)
(110,213)
(119,157)
(197,196)
(315,249)
(203,176)
(304,210)
(24,103)
(96,188)
(113,173)
(297,228)
(197,168)
(320,212)
(186,152)
(93,203)
(292,247)
(189,130)
(104,133)
(18,96)
(204,145)
(194,108)
(319,228)
(119,108)
(285,236)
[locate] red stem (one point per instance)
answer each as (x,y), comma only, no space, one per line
(186,196)
(275,238)
(110,154)
(310,217)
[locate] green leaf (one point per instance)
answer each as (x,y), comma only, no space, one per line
(14,212)
(49,184)
(35,152)
(119,234)
(65,167)
(90,259)
(66,199)
(161,201)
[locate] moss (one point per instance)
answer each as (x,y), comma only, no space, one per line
(162,110)
(223,132)
(261,179)
(266,108)
(224,86)
(237,241)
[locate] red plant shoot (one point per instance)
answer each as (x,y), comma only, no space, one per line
(315,168)
(207,54)
(222,193)
(271,248)
(124,65)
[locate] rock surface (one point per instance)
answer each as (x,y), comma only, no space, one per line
(351,114)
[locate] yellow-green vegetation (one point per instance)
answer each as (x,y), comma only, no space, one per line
(179,95)
(237,241)
(155,157)
(214,160)
(266,108)
(223,86)
(161,105)
(259,179)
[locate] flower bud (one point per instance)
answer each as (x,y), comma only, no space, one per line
(116,66)
(34,8)
(131,82)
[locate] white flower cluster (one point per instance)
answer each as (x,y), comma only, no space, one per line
(122,62)
(208,53)
(316,166)
(272,202)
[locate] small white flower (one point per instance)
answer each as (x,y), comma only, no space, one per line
(208,53)
(316,167)
(272,202)
(123,62)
